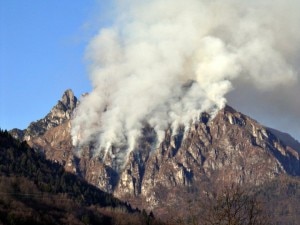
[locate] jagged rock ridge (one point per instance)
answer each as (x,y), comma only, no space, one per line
(59,114)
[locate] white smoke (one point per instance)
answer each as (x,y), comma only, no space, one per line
(163,62)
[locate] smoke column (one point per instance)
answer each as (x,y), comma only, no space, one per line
(163,62)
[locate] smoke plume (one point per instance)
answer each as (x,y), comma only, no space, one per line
(163,62)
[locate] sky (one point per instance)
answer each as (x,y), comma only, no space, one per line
(42,45)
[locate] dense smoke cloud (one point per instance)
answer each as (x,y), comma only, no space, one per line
(162,62)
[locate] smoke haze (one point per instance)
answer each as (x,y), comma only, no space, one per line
(163,62)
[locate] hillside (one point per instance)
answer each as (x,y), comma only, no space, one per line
(37,191)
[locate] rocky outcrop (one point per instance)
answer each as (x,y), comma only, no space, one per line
(59,114)
(17,133)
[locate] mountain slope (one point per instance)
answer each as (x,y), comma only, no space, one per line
(37,191)
(228,148)
(286,138)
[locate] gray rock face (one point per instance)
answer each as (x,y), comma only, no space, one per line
(229,148)
(17,133)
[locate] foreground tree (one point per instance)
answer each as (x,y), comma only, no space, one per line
(233,206)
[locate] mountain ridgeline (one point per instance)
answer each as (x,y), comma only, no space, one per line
(230,148)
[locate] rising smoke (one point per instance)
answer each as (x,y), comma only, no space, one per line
(163,62)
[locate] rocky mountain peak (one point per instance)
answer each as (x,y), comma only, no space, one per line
(69,100)
(58,115)
(64,108)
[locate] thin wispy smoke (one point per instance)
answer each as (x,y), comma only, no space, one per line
(163,62)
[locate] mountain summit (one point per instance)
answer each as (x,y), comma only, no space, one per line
(59,114)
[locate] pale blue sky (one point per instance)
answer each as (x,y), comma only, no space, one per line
(42,47)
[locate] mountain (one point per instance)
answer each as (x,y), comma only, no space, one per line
(213,153)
